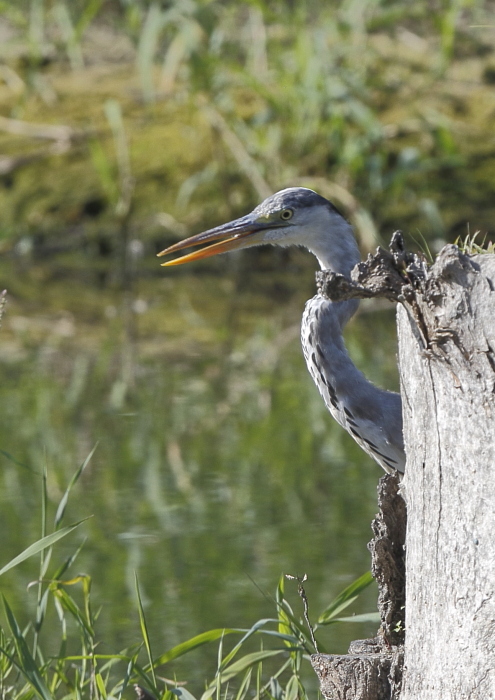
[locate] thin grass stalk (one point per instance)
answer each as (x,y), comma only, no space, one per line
(39,611)
(36,31)
(218,679)
(148,42)
(71,40)
(144,631)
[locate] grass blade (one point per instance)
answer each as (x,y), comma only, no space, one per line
(100,683)
(292,688)
(69,604)
(364,617)
(40,545)
(15,461)
(244,686)
(248,661)
(144,630)
(63,501)
(27,664)
(287,638)
(345,598)
(193,643)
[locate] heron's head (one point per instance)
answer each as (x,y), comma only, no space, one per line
(294,216)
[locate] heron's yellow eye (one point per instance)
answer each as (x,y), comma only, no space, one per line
(286,214)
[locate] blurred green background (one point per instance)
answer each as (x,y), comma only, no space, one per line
(127,125)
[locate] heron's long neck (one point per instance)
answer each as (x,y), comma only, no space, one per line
(337,250)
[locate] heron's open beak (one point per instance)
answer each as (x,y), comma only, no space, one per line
(240,233)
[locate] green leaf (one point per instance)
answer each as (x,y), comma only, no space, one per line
(283,608)
(248,661)
(345,598)
(68,562)
(101,685)
(144,630)
(128,674)
(16,462)
(63,501)
(288,639)
(296,625)
(40,545)
(280,593)
(70,604)
(365,617)
(193,643)
(292,688)
(244,686)
(208,693)
(27,664)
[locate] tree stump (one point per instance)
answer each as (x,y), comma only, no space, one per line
(447,368)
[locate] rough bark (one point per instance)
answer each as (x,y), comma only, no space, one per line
(354,676)
(447,360)
(388,561)
(372,670)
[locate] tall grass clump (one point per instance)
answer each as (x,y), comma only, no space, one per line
(266,660)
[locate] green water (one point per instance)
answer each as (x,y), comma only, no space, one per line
(217,466)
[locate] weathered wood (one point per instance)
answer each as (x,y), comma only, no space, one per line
(353,677)
(388,560)
(447,361)
(369,675)
(372,670)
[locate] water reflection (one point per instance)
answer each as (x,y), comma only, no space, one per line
(217,465)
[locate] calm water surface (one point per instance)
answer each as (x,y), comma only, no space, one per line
(217,466)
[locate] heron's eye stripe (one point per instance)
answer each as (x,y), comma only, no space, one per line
(286,214)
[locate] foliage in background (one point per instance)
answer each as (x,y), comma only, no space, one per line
(385,107)
(78,669)
(195,407)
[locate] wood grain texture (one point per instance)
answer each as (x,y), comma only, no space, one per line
(447,367)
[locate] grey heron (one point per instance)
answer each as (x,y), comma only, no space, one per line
(301,217)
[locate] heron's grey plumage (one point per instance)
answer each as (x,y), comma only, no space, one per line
(301,217)
(294,198)
(371,415)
